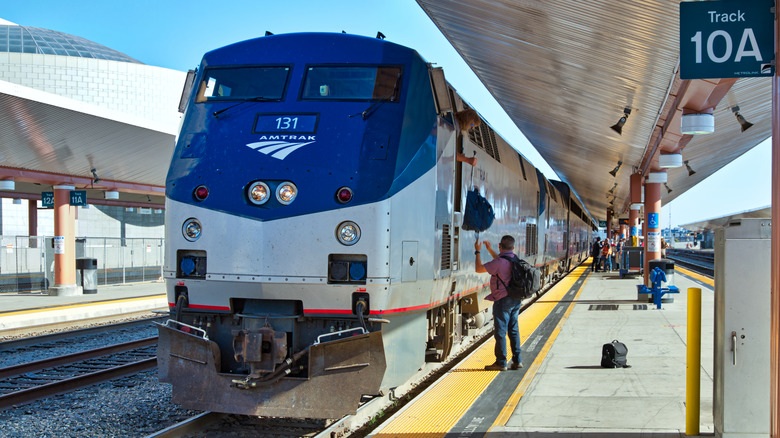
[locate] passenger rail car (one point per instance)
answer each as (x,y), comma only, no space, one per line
(313,223)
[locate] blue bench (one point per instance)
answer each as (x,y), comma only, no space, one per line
(657,276)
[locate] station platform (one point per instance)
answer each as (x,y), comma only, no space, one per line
(562,390)
(23,312)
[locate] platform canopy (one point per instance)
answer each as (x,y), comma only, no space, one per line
(565,70)
(48,140)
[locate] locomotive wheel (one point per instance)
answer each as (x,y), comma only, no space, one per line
(442,332)
(449,330)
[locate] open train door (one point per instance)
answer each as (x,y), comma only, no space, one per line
(441,94)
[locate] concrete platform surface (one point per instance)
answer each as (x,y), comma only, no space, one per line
(25,311)
(571,395)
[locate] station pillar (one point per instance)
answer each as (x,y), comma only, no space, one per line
(609,223)
(636,205)
(633,224)
(32,222)
(64,244)
(652,220)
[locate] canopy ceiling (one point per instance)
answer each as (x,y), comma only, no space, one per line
(564,70)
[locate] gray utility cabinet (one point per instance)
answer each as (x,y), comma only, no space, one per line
(742,329)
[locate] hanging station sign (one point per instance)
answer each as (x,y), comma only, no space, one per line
(726,39)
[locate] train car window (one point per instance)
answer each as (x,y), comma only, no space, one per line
(347,82)
(243,83)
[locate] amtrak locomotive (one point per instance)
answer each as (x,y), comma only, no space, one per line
(314,250)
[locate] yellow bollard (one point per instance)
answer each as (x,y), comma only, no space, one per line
(693,369)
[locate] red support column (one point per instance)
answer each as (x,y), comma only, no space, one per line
(64,244)
(652,221)
(32,221)
(633,223)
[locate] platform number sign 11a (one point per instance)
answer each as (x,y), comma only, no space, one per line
(726,39)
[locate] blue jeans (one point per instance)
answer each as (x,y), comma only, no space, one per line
(505,313)
(607,263)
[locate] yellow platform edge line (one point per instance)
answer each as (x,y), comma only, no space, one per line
(703,279)
(437,411)
(514,399)
(74,306)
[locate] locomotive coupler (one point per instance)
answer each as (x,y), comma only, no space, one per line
(262,349)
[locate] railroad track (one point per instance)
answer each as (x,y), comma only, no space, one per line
(702,262)
(40,379)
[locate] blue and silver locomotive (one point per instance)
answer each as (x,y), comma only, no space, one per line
(315,250)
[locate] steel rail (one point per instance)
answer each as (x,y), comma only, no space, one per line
(73,383)
(16,370)
(52,337)
(189,426)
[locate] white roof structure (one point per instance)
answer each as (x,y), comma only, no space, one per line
(69,105)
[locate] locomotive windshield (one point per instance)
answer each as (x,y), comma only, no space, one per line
(238,83)
(341,82)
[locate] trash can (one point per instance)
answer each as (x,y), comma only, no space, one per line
(87,274)
(667,266)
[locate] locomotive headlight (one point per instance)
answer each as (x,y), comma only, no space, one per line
(348,233)
(286,192)
(191,229)
(259,193)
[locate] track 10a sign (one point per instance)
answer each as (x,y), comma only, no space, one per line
(726,39)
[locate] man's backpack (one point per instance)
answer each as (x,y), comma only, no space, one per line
(613,355)
(525,279)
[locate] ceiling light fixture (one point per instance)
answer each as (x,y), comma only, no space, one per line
(668,190)
(688,166)
(742,122)
(656,177)
(670,160)
(697,123)
(95,179)
(111,194)
(614,171)
(618,127)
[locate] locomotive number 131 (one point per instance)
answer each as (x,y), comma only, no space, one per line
(285,123)
(297,123)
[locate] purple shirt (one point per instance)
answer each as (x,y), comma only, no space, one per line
(502,268)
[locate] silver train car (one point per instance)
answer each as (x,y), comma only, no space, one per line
(314,249)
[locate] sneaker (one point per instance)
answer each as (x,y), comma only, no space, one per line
(517,365)
(495,367)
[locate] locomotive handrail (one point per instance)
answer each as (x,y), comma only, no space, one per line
(204,334)
(340,332)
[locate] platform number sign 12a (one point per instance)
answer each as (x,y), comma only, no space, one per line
(726,39)
(47,199)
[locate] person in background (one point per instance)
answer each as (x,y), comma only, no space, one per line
(606,255)
(595,252)
(619,251)
(466,120)
(505,308)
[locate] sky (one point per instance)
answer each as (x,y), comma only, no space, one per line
(175,35)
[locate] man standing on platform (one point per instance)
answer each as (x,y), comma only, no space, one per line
(505,308)
(595,252)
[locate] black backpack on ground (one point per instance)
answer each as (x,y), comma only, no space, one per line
(525,279)
(613,355)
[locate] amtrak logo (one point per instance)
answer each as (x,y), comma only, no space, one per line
(280,146)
